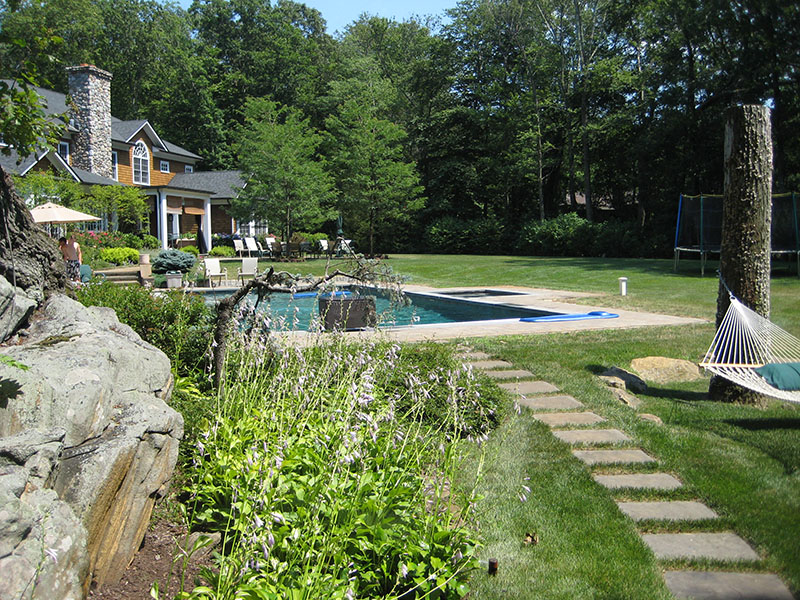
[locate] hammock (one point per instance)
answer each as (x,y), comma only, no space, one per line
(746,341)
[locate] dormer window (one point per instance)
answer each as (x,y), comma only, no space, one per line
(164,166)
(63,151)
(141,163)
(188,169)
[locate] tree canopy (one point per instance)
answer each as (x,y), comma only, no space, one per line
(514,111)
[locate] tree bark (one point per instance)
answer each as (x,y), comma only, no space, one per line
(746,219)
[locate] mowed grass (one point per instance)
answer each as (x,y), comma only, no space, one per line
(742,461)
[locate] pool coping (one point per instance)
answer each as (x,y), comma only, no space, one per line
(541,298)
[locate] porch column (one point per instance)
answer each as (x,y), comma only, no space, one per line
(163,236)
(207,222)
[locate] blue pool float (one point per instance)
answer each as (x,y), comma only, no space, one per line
(341,294)
(595,314)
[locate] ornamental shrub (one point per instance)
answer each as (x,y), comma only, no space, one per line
(173,260)
(193,250)
(225,251)
(150,241)
(451,235)
(120,256)
(179,324)
(132,240)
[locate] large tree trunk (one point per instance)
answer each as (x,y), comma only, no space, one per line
(746,217)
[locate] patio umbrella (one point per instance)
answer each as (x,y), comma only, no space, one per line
(55,213)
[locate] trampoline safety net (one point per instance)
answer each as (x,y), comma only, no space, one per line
(699,226)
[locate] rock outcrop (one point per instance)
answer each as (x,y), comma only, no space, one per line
(85,434)
(29,258)
(660,369)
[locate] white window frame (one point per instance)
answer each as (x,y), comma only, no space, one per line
(114,165)
(141,163)
(188,169)
(164,166)
(64,146)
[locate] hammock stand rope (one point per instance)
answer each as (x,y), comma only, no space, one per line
(745,341)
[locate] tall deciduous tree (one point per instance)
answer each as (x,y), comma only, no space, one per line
(377,183)
(287,181)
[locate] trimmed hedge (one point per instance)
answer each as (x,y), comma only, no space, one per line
(120,256)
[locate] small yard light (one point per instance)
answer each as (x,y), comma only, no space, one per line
(492,566)
(623,286)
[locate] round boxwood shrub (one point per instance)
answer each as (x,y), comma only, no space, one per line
(133,241)
(173,260)
(225,251)
(150,241)
(119,256)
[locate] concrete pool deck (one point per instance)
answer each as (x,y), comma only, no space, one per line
(556,301)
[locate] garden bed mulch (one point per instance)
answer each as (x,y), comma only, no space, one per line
(152,563)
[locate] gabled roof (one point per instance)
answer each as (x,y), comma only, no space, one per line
(125,131)
(93,178)
(222,184)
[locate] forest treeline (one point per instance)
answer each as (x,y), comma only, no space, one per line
(456,134)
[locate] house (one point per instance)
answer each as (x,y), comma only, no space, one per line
(98,149)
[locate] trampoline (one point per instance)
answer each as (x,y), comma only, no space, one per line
(699,227)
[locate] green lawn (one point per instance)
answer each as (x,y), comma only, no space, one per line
(742,461)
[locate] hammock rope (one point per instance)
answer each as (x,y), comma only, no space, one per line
(745,341)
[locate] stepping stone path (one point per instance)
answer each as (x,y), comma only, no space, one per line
(609,457)
(508,374)
(699,585)
(716,546)
(569,418)
(524,388)
(578,437)
(667,511)
(644,481)
(490,364)
(549,402)
(711,585)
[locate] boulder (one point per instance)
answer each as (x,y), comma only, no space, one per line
(15,309)
(42,543)
(29,258)
(96,379)
(659,369)
(632,382)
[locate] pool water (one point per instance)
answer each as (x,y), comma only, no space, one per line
(425,309)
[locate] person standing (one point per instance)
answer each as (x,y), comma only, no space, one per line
(71,251)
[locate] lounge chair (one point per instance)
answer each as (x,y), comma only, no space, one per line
(251,246)
(261,250)
(249,268)
(238,245)
(214,271)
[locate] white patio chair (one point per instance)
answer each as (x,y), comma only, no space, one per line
(214,271)
(249,268)
(238,245)
(251,246)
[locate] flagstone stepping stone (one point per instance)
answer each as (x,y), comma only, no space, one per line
(474,355)
(508,374)
(604,457)
(649,481)
(490,364)
(574,418)
(550,402)
(714,585)
(591,436)
(714,546)
(524,388)
(667,511)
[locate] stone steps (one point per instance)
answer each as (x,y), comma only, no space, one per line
(667,511)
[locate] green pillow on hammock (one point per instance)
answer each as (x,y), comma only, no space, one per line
(784,376)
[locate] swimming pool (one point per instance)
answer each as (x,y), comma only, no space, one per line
(300,313)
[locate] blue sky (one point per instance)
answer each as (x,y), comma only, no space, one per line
(340,13)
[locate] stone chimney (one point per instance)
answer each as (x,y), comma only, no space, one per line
(90,91)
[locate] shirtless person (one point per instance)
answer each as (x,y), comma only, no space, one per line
(71,251)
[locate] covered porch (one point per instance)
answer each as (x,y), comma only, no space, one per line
(181,217)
